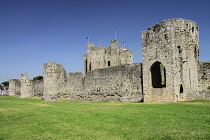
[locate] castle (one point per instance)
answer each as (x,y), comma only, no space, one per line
(170,71)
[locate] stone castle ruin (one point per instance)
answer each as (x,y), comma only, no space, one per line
(170,71)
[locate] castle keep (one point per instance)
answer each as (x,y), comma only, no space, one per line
(170,71)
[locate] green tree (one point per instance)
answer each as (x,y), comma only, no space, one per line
(37,78)
(6,83)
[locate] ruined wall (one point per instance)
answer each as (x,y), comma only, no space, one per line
(204,80)
(26,89)
(38,88)
(104,57)
(170,57)
(119,83)
(3,90)
(54,81)
(14,87)
(73,87)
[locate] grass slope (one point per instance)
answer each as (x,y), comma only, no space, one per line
(34,119)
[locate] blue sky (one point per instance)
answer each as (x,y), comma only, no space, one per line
(33,32)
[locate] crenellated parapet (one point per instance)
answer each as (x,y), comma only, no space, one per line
(104,57)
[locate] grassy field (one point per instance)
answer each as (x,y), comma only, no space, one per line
(28,119)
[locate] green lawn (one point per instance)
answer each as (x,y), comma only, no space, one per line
(28,119)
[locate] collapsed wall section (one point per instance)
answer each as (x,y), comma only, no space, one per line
(54,81)
(14,87)
(204,80)
(119,83)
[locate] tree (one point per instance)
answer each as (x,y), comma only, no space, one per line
(37,78)
(6,83)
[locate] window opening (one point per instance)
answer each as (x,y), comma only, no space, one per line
(179,49)
(193,29)
(90,67)
(181,89)
(109,63)
(147,34)
(86,65)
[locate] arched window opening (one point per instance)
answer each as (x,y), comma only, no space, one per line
(109,63)
(158,74)
(181,89)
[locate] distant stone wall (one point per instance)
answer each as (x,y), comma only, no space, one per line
(38,88)
(14,87)
(204,80)
(119,83)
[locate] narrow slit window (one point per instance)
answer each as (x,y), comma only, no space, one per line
(109,63)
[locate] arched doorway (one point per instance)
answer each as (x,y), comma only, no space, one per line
(158,75)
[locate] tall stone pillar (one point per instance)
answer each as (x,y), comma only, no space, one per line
(54,80)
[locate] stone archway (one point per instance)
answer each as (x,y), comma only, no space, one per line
(158,75)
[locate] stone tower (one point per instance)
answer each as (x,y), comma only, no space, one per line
(54,81)
(26,87)
(170,54)
(104,57)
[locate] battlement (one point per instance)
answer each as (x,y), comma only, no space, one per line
(104,57)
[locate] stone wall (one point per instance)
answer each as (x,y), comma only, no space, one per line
(38,88)
(14,87)
(204,80)
(119,83)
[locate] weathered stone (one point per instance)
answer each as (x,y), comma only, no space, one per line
(170,71)
(54,81)
(14,87)
(3,90)
(104,57)
(26,89)
(173,44)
